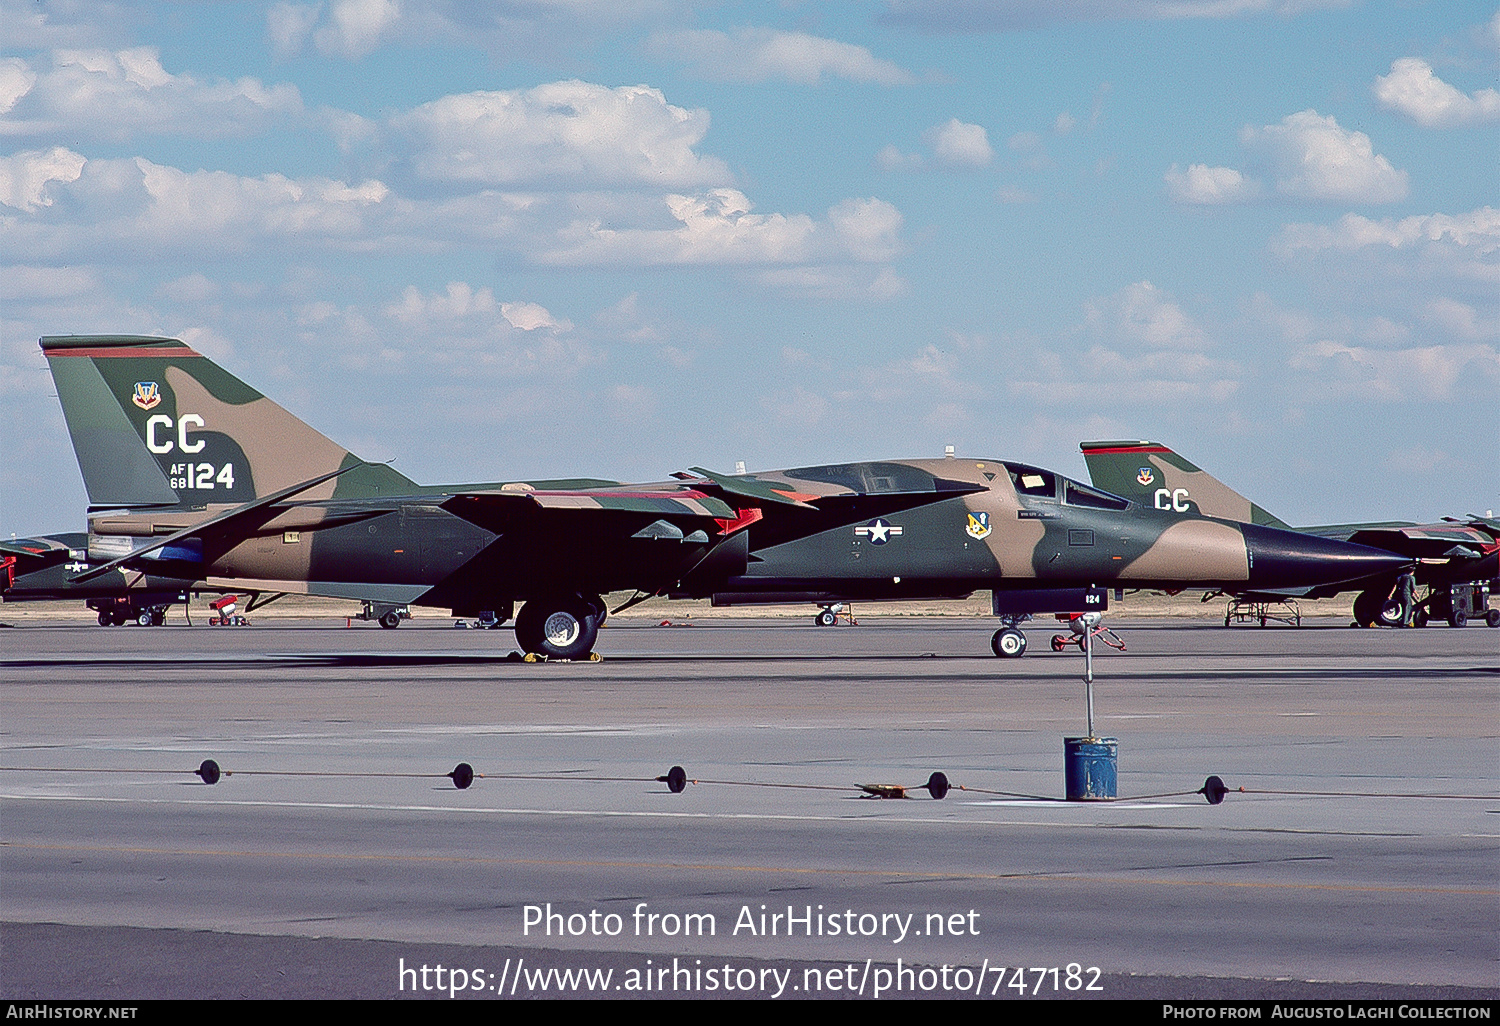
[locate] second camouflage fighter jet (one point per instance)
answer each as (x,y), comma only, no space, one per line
(1454,559)
(1040,542)
(193,474)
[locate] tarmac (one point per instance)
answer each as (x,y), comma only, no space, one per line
(335,860)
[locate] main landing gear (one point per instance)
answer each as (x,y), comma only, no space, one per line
(564,627)
(118,614)
(1454,604)
(1009,643)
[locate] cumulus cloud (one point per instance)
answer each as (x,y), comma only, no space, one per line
(1312,158)
(458,301)
(1144,315)
(461,301)
(717,227)
(1456,246)
(288,26)
(960,145)
(931,372)
(117,94)
(1306,157)
(467,330)
(99,206)
(763,55)
(560,134)
(954,144)
(25,177)
(60,206)
(1477,229)
(892,159)
(16,80)
(531,317)
(1461,320)
(1143,347)
(1209,185)
(1413,90)
(356,27)
(1431,373)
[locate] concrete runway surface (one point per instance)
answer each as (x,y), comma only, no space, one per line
(355,859)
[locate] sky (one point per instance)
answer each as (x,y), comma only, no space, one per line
(619,238)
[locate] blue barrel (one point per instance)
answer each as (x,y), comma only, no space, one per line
(1090,768)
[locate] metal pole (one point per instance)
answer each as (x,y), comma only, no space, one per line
(1088,672)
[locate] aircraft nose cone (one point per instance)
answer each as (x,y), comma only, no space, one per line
(1287,559)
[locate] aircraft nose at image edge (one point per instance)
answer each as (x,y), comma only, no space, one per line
(1286,559)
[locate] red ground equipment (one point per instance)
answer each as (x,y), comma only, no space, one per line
(225,607)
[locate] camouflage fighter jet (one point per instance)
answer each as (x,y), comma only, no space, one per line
(1449,556)
(1040,542)
(40,569)
(194,476)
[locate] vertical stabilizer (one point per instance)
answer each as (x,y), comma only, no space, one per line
(156,424)
(1151,474)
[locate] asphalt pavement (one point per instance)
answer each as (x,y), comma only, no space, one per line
(335,859)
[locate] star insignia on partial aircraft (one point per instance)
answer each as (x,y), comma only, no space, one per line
(879,531)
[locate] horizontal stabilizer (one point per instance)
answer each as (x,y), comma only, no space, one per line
(221,521)
(751,489)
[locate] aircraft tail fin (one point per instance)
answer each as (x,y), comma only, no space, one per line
(1153,475)
(156,424)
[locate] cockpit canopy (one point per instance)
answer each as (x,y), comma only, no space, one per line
(1043,484)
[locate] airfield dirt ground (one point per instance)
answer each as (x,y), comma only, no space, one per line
(1187,605)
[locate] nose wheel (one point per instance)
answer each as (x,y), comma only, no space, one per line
(1008,643)
(829,615)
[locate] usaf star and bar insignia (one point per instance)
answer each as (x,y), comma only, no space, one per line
(879,531)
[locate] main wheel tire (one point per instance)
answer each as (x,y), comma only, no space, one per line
(558,628)
(1492,618)
(826,618)
(143,618)
(1458,618)
(390,621)
(1008,643)
(1367,606)
(599,610)
(1392,613)
(104,618)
